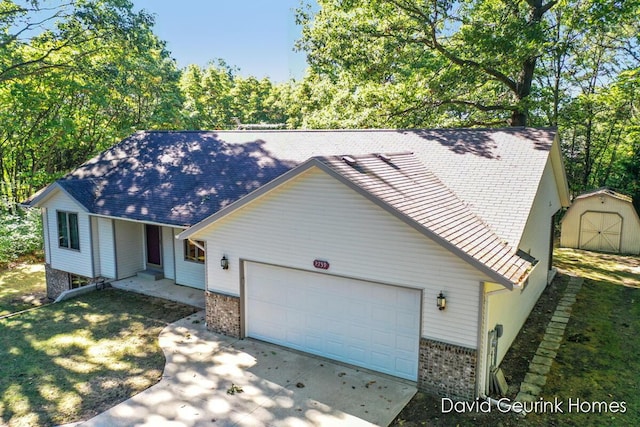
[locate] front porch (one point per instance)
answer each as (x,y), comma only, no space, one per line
(163,288)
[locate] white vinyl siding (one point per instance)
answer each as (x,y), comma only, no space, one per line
(316,217)
(129,248)
(189,273)
(106,247)
(511,309)
(168,243)
(45,232)
(79,262)
(609,208)
(95,239)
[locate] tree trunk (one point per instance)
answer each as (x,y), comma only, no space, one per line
(518,118)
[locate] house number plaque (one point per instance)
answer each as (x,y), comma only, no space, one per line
(318,263)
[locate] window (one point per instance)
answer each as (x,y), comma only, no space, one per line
(78,281)
(193,252)
(68,236)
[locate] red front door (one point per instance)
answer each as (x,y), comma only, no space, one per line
(153,245)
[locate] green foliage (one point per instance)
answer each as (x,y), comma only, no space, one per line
(216,98)
(20,233)
(601,131)
(78,76)
(92,76)
(471,57)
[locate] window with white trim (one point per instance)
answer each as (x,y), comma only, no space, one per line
(192,252)
(68,235)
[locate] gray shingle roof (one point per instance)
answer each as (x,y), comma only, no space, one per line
(180,178)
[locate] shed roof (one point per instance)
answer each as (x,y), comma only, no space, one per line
(181,178)
(604,191)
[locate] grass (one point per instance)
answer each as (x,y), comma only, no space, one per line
(598,361)
(69,361)
(599,267)
(22,286)
(600,358)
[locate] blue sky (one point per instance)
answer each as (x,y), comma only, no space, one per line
(257,36)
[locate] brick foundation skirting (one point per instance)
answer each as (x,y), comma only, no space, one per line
(223,314)
(57,281)
(447,370)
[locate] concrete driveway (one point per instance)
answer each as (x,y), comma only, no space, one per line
(213,380)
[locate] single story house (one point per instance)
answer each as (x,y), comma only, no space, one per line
(601,220)
(400,251)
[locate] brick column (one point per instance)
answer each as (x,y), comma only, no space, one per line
(447,370)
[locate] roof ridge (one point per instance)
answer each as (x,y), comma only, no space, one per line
(370,130)
(605,190)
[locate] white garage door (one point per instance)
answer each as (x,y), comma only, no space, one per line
(361,323)
(600,231)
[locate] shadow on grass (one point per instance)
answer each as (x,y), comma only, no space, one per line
(22,286)
(69,361)
(599,360)
(613,269)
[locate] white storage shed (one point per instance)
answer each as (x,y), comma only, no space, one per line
(601,220)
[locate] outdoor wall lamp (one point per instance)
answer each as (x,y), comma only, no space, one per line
(441,301)
(224,262)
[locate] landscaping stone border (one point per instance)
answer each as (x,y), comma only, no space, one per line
(540,365)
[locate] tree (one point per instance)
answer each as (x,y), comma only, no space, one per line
(59,111)
(217,98)
(405,63)
(32,32)
(474,56)
(592,44)
(620,166)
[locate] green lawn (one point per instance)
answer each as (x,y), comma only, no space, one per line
(599,360)
(69,361)
(22,286)
(598,267)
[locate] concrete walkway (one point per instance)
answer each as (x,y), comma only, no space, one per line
(540,365)
(213,380)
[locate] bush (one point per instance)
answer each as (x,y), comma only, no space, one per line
(20,233)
